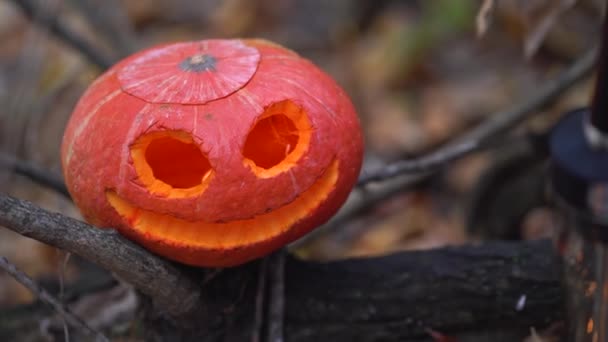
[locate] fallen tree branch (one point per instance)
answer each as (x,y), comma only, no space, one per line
(46,297)
(59,29)
(494,125)
(397,297)
(153,276)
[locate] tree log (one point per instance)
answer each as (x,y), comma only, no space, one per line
(392,298)
(398,297)
(498,286)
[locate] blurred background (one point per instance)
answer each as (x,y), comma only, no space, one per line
(418,72)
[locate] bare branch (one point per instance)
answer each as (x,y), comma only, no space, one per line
(270,295)
(35,173)
(276,305)
(58,28)
(425,163)
(258,316)
(495,125)
(153,276)
(46,297)
(333,236)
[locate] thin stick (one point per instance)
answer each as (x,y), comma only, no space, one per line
(59,29)
(425,163)
(35,173)
(360,200)
(62,266)
(258,324)
(495,125)
(276,310)
(46,297)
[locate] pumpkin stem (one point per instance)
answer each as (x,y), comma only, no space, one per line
(198,63)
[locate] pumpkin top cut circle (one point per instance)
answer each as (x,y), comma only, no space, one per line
(214,152)
(190,73)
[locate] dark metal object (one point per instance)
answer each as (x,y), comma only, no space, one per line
(580,171)
(580,188)
(579,152)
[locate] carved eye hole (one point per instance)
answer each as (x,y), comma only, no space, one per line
(277,140)
(169,163)
(271,140)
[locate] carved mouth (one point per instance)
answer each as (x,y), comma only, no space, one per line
(229,234)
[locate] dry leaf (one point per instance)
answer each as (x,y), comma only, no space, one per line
(484,16)
(544,24)
(534,19)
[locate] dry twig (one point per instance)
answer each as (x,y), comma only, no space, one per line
(258,317)
(495,125)
(46,297)
(276,305)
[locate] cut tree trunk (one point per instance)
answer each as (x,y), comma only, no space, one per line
(498,286)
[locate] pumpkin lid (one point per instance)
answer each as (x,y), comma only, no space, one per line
(190,73)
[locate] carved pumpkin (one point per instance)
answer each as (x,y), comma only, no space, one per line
(214,152)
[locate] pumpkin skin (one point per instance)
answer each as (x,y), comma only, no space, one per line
(214,152)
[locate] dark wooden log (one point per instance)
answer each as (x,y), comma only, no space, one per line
(498,286)
(392,298)
(400,296)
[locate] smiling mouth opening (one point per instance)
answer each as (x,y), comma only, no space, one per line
(230,234)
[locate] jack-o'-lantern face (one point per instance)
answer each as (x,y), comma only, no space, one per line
(212,153)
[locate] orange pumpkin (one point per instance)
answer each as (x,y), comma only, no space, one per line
(214,152)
